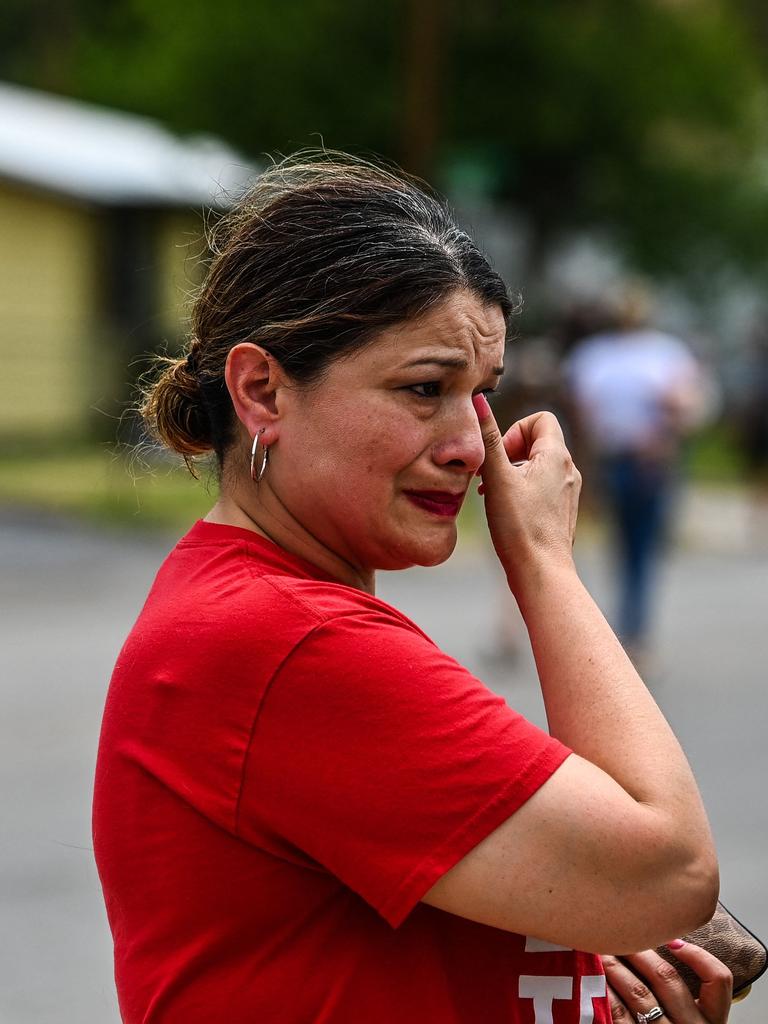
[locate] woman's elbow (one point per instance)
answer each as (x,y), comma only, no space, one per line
(683,893)
(704,889)
(690,893)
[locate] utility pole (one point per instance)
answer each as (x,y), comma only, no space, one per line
(424,50)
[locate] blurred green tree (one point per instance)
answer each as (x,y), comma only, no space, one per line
(646,119)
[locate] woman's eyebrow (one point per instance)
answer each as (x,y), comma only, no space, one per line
(452,362)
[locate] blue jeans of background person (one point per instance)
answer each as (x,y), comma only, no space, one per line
(638,494)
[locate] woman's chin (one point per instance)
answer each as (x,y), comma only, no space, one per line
(438,559)
(426,551)
(440,552)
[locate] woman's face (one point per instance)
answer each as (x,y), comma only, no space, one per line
(375,461)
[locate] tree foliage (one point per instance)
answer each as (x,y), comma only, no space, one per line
(644,118)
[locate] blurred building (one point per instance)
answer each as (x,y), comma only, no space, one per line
(101,230)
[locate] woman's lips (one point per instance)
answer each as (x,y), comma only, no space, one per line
(441,503)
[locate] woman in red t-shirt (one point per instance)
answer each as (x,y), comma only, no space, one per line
(304,811)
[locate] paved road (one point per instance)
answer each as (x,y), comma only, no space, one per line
(67,599)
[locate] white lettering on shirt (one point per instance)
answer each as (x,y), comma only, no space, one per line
(543,991)
(534,945)
(592,987)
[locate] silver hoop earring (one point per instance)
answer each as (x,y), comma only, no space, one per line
(256,475)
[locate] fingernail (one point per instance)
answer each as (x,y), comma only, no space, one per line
(675,944)
(482,408)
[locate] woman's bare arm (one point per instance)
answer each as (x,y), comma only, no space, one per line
(620,826)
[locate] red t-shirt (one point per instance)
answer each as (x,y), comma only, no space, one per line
(286,766)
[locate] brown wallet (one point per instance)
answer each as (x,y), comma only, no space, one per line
(727,939)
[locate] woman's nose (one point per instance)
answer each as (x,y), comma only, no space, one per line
(462,444)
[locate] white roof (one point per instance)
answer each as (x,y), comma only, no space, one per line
(104,156)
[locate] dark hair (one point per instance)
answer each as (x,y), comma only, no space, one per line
(322,253)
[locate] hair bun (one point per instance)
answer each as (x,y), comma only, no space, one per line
(174,409)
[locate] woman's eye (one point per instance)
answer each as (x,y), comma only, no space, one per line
(431,389)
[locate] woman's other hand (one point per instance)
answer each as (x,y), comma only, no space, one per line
(531,490)
(646,980)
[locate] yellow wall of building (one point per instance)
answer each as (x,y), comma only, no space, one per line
(47,265)
(60,360)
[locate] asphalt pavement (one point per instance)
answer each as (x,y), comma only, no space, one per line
(69,594)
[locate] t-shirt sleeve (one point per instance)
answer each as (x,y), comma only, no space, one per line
(384,760)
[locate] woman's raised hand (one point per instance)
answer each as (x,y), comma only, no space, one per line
(531,490)
(652,982)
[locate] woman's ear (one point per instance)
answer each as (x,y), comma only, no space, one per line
(253,376)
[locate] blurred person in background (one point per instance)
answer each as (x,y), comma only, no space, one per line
(304,810)
(637,393)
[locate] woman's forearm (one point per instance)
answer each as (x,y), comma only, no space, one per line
(597,704)
(621,826)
